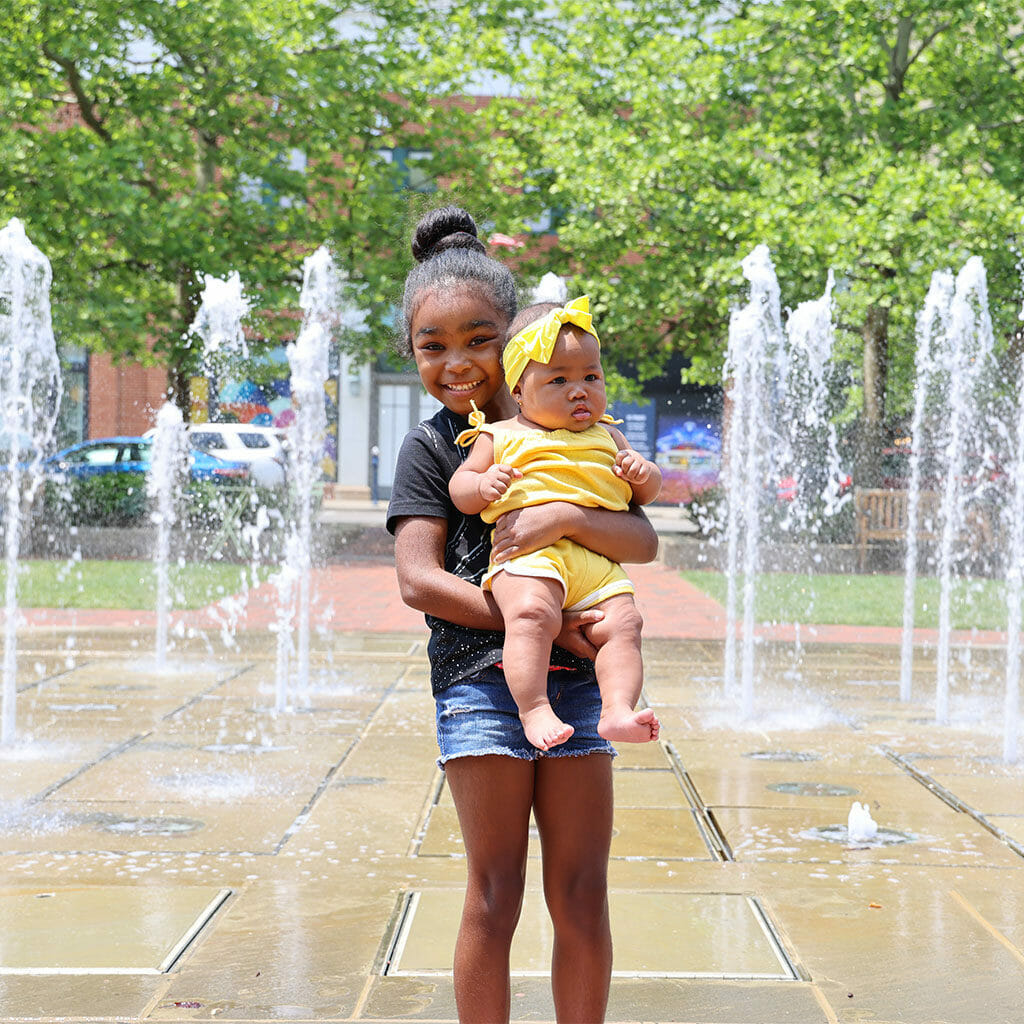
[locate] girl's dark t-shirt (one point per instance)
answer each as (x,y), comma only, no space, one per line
(428,458)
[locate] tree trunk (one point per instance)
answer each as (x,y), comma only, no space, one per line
(178,372)
(871,437)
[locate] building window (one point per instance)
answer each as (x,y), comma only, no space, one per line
(73,415)
(411,168)
(268,195)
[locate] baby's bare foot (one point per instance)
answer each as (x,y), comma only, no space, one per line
(628,726)
(543,728)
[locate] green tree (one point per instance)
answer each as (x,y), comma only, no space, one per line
(148,143)
(860,135)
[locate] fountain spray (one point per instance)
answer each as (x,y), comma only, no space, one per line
(969,357)
(779,391)
(308,358)
(29,390)
(163,485)
(932,325)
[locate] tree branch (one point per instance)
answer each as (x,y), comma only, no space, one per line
(86,106)
(925,43)
(897,54)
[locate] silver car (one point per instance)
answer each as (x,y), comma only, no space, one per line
(263,448)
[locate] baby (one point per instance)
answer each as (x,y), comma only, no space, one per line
(558,449)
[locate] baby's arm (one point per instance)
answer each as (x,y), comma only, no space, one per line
(426,585)
(621,537)
(642,475)
(479,480)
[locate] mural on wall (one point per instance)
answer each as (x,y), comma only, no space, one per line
(689,452)
(266,404)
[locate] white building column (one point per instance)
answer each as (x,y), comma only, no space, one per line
(354,393)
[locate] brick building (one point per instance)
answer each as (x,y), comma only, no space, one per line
(121,398)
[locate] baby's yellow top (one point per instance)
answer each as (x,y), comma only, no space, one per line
(557,465)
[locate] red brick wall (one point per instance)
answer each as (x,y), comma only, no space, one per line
(123,397)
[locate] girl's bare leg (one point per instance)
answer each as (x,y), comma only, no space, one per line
(620,673)
(573,808)
(492,795)
(532,610)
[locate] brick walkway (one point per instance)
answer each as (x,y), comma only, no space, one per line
(364,596)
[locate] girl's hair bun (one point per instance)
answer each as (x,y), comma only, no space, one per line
(449,227)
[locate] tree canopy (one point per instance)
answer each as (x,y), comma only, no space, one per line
(147,144)
(881,140)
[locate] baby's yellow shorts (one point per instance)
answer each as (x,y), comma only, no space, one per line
(587,578)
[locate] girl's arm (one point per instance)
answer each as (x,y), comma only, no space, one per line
(620,536)
(425,585)
(478,481)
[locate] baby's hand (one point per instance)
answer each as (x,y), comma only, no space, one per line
(495,481)
(632,466)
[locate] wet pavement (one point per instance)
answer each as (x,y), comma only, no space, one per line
(172,849)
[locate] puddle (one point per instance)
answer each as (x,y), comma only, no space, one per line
(242,748)
(782,755)
(840,834)
(812,789)
(120,824)
(82,707)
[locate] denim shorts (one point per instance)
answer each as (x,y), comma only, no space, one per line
(478,716)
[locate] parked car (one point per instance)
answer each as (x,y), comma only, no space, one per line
(132,455)
(19,451)
(262,449)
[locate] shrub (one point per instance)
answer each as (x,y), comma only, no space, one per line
(707,510)
(111,499)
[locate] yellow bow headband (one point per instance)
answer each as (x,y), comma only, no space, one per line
(537,341)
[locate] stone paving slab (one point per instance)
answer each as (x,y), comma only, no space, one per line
(318,822)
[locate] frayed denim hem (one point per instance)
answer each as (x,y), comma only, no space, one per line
(526,754)
(532,754)
(576,752)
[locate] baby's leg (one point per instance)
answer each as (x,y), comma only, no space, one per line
(532,609)
(620,673)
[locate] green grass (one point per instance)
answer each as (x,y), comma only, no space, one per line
(132,585)
(856,600)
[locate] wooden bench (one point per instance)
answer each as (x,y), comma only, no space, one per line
(881,515)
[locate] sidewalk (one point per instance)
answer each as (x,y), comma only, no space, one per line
(173,849)
(672,607)
(206,841)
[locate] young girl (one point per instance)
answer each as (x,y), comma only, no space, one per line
(558,447)
(457,307)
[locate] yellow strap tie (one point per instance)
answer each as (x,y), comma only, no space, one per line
(476,420)
(537,341)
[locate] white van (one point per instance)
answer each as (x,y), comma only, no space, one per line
(263,448)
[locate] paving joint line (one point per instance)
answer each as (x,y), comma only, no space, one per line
(54,675)
(704,818)
(307,810)
(947,796)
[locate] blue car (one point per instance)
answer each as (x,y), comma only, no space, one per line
(132,455)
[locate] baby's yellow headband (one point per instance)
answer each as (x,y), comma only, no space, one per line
(537,341)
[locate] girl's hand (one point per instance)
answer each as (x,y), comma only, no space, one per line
(494,482)
(573,637)
(529,529)
(632,466)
